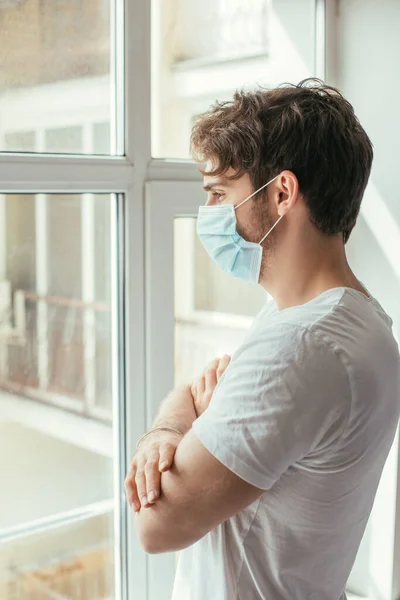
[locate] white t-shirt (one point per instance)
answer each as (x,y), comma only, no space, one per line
(307,410)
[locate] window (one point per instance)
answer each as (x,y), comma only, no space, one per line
(62,354)
(55,81)
(204,51)
(56,353)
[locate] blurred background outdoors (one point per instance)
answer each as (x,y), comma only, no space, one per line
(56,269)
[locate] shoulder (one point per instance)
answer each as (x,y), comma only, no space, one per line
(286,341)
(286,361)
(310,330)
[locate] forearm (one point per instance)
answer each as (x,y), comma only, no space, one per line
(177,410)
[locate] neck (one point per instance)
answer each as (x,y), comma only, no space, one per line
(297,274)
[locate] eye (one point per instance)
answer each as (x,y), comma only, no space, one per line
(218,196)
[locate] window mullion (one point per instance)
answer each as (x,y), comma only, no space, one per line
(320,39)
(21,173)
(137,33)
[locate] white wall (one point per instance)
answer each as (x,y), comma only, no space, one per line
(366,44)
(368,48)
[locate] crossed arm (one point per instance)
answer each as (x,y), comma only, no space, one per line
(198,492)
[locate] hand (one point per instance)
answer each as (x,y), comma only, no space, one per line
(154,456)
(203,387)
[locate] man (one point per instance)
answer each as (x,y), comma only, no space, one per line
(269,488)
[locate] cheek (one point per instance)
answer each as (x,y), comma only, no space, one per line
(261,217)
(245,223)
(253,225)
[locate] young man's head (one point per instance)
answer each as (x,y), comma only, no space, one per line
(307,134)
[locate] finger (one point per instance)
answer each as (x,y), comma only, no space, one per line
(211,380)
(167,453)
(223,363)
(153,480)
(201,385)
(140,479)
(131,490)
(195,387)
(213,364)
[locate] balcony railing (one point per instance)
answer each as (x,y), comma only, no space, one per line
(59,351)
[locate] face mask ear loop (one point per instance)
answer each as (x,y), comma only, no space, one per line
(256,192)
(274,225)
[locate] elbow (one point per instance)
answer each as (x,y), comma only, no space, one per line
(151,541)
(149,546)
(156,540)
(145,537)
(158,544)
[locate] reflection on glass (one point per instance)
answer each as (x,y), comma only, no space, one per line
(204,51)
(54,75)
(56,397)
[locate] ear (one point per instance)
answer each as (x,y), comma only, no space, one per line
(286,192)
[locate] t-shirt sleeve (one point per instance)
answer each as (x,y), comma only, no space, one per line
(283,396)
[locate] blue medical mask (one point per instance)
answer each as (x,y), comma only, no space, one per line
(216,228)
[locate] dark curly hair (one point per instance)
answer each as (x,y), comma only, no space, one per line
(309,129)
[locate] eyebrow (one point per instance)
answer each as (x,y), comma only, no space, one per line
(213,184)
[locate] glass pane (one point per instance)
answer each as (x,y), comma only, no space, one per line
(204,51)
(73,562)
(55,85)
(56,396)
(64,139)
(20,141)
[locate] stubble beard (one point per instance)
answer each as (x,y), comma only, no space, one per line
(262,223)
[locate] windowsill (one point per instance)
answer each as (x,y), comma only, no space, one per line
(80,431)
